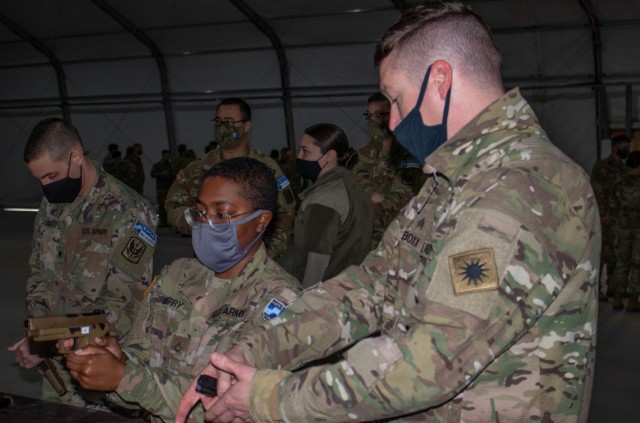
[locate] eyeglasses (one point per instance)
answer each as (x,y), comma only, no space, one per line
(226,123)
(375,115)
(218,220)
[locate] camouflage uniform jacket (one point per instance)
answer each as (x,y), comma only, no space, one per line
(94,253)
(483,289)
(333,227)
(131,172)
(604,175)
(180,163)
(185,190)
(189,312)
(626,202)
(164,174)
(398,180)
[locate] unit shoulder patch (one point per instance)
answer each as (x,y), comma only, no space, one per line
(473,271)
(273,309)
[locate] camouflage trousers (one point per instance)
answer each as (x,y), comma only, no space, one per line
(626,277)
(608,255)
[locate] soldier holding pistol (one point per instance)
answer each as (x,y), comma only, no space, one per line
(480,304)
(93,242)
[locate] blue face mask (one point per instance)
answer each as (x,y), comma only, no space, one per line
(218,249)
(421,140)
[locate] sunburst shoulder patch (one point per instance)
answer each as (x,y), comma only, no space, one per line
(473,271)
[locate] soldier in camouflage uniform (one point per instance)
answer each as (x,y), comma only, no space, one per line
(232,125)
(385,169)
(110,161)
(182,160)
(93,241)
(192,308)
(131,170)
(164,174)
(604,175)
(626,203)
(484,289)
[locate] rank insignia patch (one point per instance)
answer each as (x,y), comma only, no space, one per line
(134,250)
(473,271)
(273,309)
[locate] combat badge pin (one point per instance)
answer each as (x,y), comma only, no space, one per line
(473,271)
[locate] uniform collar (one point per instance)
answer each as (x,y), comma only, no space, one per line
(491,129)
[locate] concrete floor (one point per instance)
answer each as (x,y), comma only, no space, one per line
(616,386)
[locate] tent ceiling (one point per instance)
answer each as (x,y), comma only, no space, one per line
(152,70)
(78,30)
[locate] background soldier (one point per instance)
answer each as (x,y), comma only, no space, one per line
(164,174)
(232,124)
(196,305)
(604,175)
(480,304)
(626,204)
(385,169)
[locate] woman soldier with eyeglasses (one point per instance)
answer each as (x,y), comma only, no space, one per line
(197,305)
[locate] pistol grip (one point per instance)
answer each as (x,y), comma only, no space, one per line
(47,370)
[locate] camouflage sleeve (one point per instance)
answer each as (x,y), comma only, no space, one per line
(342,311)
(152,388)
(179,199)
(130,267)
(156,170)
(277,236)
(38,293)
(457,336)
(406,183)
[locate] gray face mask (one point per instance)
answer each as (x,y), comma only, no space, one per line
(218,249)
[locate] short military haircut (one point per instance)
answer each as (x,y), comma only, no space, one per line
(245,110)
(633,159)
(113,147)
(619,139)
(256,180)
(54,136)
(442,30)
(377,98)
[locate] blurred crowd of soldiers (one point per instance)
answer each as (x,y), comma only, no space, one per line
(616,184)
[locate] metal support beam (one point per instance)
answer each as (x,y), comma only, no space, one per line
(264,27)
(53,59)
(603,130)
(401,5)
(162,67)
(628,110)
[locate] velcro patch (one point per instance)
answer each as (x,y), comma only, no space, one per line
(410,164)
(408,178)
(273,309)
(473,271)
(134,250)
(283,183)
(145,232)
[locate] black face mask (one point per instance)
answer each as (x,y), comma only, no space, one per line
(65,190)
(309,169)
